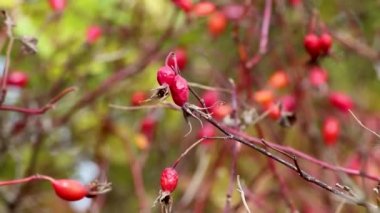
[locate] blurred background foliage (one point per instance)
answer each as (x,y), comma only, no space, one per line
(109,141)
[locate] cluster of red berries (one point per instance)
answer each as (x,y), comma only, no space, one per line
(168,76)
(317,45)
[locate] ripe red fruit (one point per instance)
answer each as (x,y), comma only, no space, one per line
(147,126)
(93,34)
(210,98)
(18,79)
(165,75)
(341,101)
(208,130)
(137,98)
(57,5)
(312,45)
(317,76)
(179,90)
(184,5)
(289,103)
(274,112)
(325,43)
(169,179)
(203,8)
(181,57)
(279,79)
(264,97)
(331,130)
(70,190)
(217,23)
(220,112)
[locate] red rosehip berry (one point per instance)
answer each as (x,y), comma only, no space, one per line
(57,5)
(137,98)
(325,43)
(217,23)
(147,126)
(179,90)
(220,112)
(317,76)
(208,130)
(70,190)
(165,75)
(18,79)
(210,98)
(311,43)
(330,130)
(264,97)
(184,5)
(289,103)
(294,3)
(93,34)
(203,8)
(341,101)
(181,57)
(274,110)
(169,179)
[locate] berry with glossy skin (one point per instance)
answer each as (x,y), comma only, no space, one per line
(57,5)
(181,57)
(203,8)
(93,34)
(18,79)
(279,79)
(169,179)
(341,101)
(312,45)
(325,43)
(137,98)
(217,23)
(317,76)
(70,190)
(330,130)
(179,90)
(165,75)
(184,5)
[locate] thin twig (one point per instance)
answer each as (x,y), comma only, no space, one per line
(362,125)
(242,194)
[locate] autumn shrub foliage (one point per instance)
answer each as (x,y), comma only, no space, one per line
(188,105)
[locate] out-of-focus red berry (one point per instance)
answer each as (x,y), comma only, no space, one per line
(279,79)
(325,43)
(208,130)
(137,98)
(93,34)
(317,76)
(341,101)
(181,56)
(203,8)
(18,79)
(312,45)
(184,5)
(330,130)
(57,5)
(217,23)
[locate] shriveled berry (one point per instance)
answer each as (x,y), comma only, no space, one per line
(217,23)
(137,98)
(18,79)
(325,43)
(317,76)
(341,101)
(330,130)
(203,8)
(181,56)
(179,90)
(57,5)
(70,190)
(208,130)
(184,5)
(165,75)
(311,43)
(169,179)
(279,79)
(93,34)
